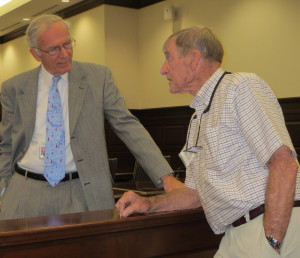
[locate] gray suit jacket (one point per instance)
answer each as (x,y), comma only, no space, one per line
(93,96)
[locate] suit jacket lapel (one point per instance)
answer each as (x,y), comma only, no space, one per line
(26,96)
(77,89)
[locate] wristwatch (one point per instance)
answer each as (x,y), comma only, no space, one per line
(273,242)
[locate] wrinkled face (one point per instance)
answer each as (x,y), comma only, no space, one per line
(176,68)
(57,35)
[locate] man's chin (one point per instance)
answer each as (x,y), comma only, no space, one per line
(172,90)
(65,69)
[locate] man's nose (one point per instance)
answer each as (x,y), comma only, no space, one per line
(63,52)
(163,69)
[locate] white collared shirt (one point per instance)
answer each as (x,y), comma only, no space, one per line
(32,160)
(237,137)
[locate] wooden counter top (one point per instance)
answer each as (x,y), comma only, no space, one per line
(105,234)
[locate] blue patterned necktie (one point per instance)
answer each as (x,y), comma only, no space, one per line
(55,156)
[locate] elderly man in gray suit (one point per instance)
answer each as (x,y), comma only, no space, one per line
(87,95)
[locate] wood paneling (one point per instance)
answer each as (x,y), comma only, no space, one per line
(167,126)
(291,112)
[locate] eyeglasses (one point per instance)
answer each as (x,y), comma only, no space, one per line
(195,147)
(53,51)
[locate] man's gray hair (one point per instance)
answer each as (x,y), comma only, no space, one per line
(40,24)
(200,38)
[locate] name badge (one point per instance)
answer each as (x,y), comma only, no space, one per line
(186,157)
(42,150)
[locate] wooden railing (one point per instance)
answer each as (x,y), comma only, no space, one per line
(105,234)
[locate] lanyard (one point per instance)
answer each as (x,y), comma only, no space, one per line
(205,111)
(213,93)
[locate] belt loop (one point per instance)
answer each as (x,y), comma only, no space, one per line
(247,217)
(70,176)
(26,174)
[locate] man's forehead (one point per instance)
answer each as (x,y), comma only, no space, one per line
(170,46)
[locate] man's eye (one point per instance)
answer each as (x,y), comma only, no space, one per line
(53,49)
(67,44)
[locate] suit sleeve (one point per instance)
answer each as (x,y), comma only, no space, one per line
(132,133)
(6,126)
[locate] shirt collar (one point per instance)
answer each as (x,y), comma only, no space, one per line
(46,77)
(202,98)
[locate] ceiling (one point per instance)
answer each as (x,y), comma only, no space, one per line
(12,24)
(13,20)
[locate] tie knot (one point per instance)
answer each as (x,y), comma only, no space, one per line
(55,80)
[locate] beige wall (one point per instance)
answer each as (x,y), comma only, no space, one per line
(88,30)
(15,58)
(259,36)
(1,62)
(122,51)
(153,31)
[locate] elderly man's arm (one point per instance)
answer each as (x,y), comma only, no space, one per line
(280,192)
(170,183)
(179,199)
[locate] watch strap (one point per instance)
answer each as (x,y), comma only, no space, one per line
(273,242)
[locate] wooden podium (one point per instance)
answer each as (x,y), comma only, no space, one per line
(103,234)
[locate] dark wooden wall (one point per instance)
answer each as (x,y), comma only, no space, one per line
(168,127)
(291,111)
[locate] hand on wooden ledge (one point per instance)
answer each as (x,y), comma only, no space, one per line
(131,203)
(178,199)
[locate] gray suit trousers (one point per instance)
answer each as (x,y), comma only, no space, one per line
(29,198)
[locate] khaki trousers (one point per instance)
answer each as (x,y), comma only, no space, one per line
(249,241)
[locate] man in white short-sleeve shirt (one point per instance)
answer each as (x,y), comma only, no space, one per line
(241,165)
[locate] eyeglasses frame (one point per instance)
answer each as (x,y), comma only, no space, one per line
(71,41)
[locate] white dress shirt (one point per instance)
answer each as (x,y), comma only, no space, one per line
(32,160)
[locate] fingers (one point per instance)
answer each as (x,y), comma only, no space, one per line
(125,202)
(131,203)
(131,209)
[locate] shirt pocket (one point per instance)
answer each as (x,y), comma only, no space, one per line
(221,145)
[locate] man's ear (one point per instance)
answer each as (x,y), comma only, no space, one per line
(36,54)
(195,56)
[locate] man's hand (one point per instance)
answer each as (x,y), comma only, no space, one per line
(179,199)
(132,203)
